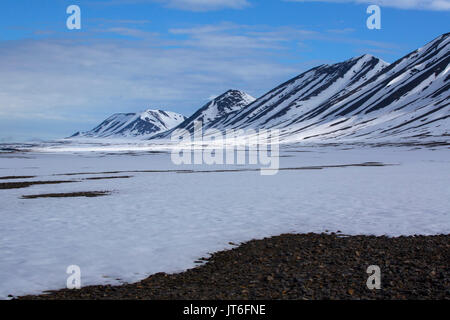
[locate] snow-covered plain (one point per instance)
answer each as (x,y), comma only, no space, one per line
(164,221)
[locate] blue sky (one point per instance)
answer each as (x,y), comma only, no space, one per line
(132,55)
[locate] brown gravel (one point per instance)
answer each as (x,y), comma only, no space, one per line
(304,266)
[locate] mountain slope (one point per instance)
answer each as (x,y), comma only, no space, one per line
(282,106)
(363,97)
(142,124)
(215,112)
(358,99)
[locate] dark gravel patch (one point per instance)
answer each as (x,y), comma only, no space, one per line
(88,194)
(16,177)
(108,178)
(9,150)
(26,184)
(364,164)
(305,266)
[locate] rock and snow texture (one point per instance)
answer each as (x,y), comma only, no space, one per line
(360,98)
(283,106)
(143,124)
(363,98)
(215,113)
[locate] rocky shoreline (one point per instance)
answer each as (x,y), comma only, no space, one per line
(298,267)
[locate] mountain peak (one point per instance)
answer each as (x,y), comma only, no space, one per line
(232,91)
(231,100)
(143,124)
(238,94)
(369,58)
(364,59)
(216,111)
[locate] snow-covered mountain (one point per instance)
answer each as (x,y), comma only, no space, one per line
(282,106)
(143,125)
(360,98)
(215,113)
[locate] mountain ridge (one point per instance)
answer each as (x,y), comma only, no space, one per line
(142,124)
(363,97)
(215,112)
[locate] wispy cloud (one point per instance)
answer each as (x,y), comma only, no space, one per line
(341,31)
(205,5)
(94,75)
(188,5)
(57,77)
(233,36)
(103,21)
(438,5)
(128,32)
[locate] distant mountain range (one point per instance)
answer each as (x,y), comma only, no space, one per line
(358,99)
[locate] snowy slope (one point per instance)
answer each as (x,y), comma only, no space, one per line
(215,112)
(360,98)
(143,124)
(283,106)
(363,98)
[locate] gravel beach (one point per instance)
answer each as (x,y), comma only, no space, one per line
(299,267)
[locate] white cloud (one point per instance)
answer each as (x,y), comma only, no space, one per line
(241,37)
(205,5)
(438,5)
(88,78)
(341,31)
(56,79)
